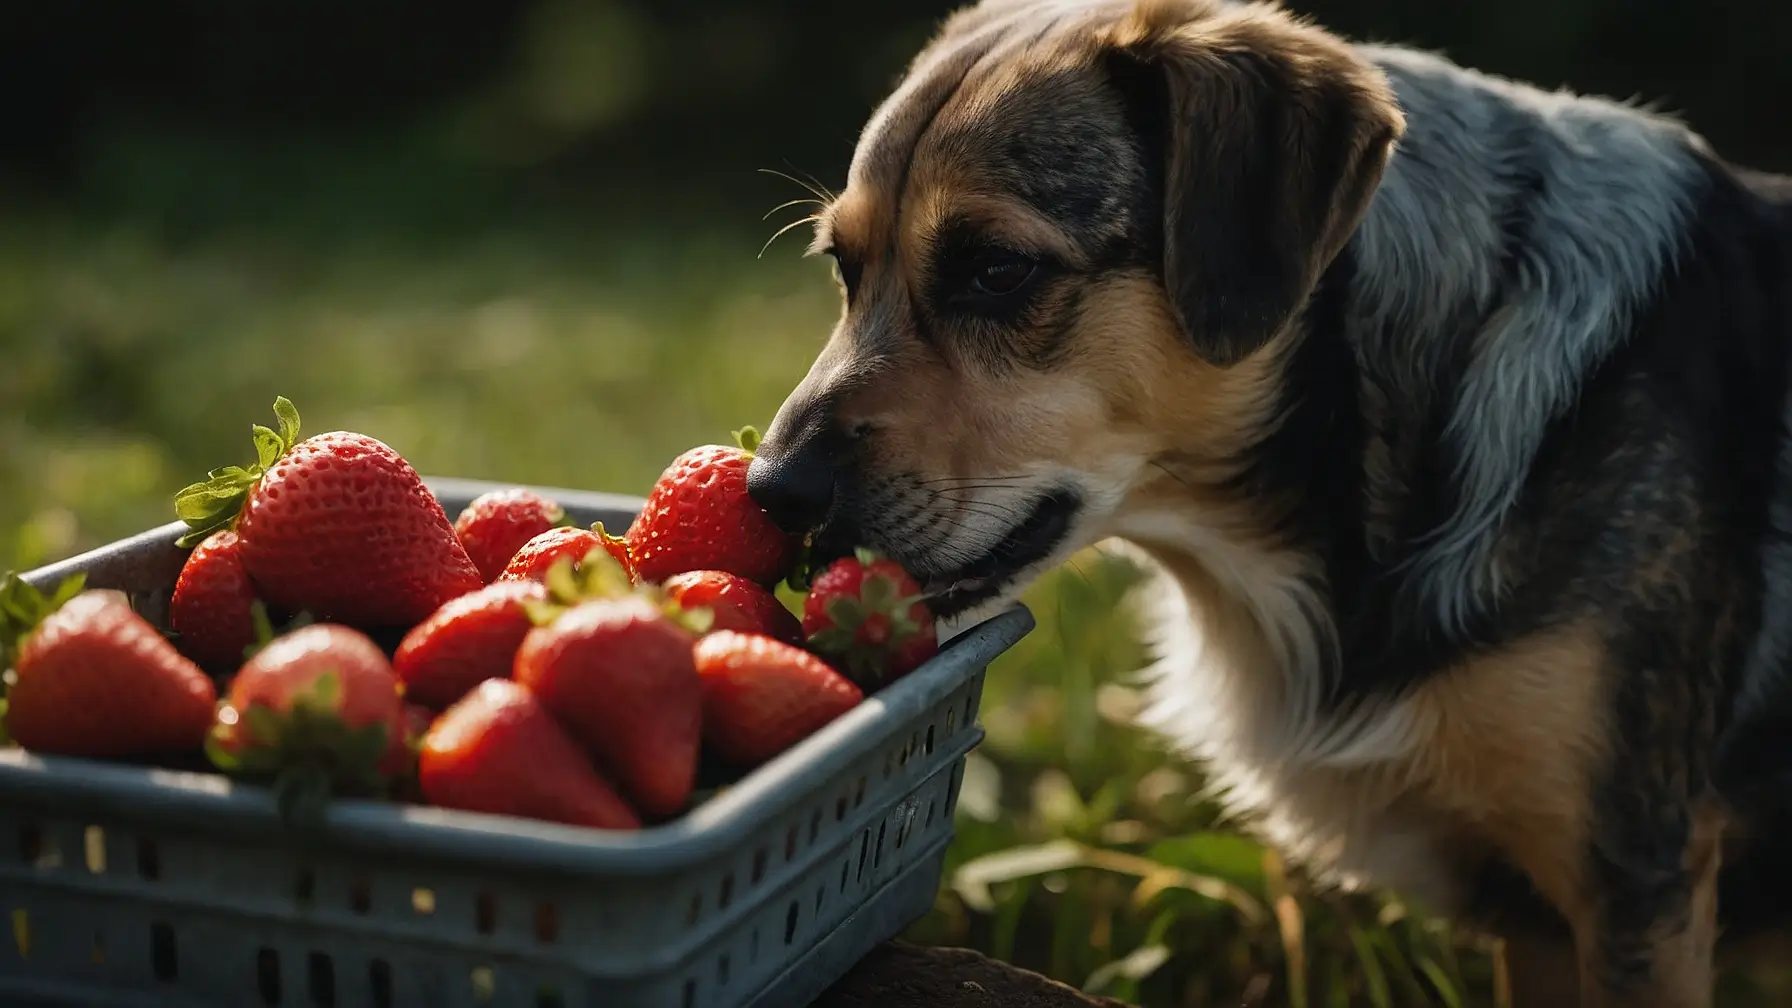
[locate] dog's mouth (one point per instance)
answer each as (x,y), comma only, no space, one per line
(1033,539)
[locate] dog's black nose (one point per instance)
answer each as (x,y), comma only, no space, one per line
(794,483)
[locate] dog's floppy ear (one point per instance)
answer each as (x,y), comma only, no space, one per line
(1271,137)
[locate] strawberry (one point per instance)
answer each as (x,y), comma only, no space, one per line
(698,517)
(734,604)
(212,603)
(499,751)
(617,672)
(93,678)
(317,710)
(865,613)
(532,561)
(337,525)
(762,696)
(469,640)
(497,524)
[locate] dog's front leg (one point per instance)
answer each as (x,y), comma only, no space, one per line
(1645,936)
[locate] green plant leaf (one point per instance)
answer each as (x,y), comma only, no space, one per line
(974,877)
(1226,856)
(1135,966)
(1373,975)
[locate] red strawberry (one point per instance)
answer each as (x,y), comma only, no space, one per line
(497,524)
(337,525)
(96,679)
(734,604)
(698,517)
(318,709)
(499,751)
(469,640)
(212,603)
(865,614)
(617,672)
(532,561)
(762,696)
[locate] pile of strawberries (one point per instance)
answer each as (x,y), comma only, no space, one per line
(539,669)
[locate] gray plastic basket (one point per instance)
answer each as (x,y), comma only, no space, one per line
(140,886)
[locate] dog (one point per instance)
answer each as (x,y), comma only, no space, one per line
(1450,413)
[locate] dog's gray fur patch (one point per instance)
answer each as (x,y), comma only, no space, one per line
(1603,192)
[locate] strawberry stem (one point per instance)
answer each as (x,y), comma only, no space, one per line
(214,503)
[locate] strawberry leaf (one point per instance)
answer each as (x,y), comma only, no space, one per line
(541,612)
(747,438)
(264,726)
(699,620)
(877,592)
(864,555)
(214,503)
(23,606)
(846,612)
(5,736)
(831,641)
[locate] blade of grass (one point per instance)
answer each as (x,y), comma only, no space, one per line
(1291,924)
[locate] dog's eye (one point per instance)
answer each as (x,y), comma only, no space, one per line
(1001,275)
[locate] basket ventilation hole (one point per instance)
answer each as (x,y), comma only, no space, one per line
(320,974)
(858,794)
(694,911)
(93,838)
(690,994)
(758,865)
(423,901)
(548,997)
(360,895)
(930,808)
(149,859)
(864,852)
(21,932)
(877,855)
(845,869)
(267,975)
(968,703)
(379,978)
(722,970)
(727,895)
(951,719)
(790,922)
(820,891)
(547,923)
(840,809)
(814,825)
(902,830)
(304,886)
(790,844)
(889,763)
(485,913)
(753,947)
(927,746)
(37,850)
(163,956)
(485,984)
(99,949)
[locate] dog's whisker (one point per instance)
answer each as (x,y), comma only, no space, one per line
(790,203)
(812,218)
(817,189)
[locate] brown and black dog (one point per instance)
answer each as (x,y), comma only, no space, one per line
(1453,414)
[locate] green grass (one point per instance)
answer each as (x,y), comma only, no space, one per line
(135,360)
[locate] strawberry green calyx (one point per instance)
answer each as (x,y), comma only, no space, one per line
(747,438)
(866,628)
(307,753)
(23,606)
(596,576)
(214,503)
(263,626)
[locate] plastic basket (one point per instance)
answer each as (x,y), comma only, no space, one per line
(137,886)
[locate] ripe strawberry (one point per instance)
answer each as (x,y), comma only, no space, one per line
(617,672)
(762,696)
(698,517)
(96,679)
(734,604)
(499,751)
(337,525)
(535,557)
(865,614)
(469,640)
(318,709)
(212,603)
(497,524)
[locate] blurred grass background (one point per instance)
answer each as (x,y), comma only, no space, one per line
(519,241)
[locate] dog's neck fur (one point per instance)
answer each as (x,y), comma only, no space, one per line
(1513,238)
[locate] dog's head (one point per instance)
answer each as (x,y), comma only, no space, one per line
(1069,244)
